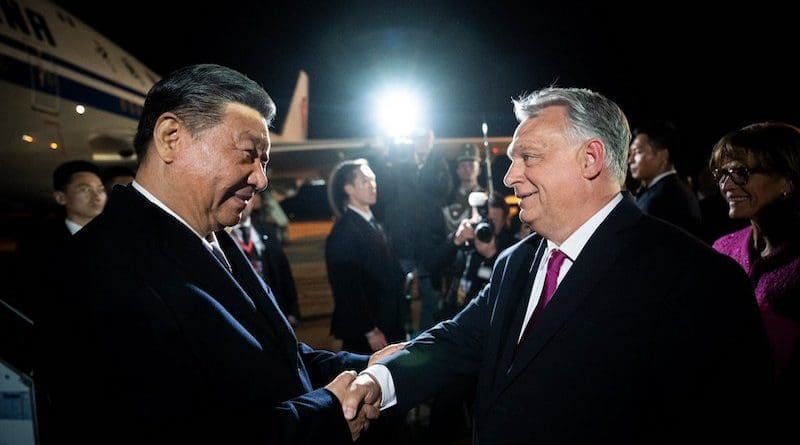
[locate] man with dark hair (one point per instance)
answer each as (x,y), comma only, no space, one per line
(164,333)
(605,325)
(78,188)
(81,196)
(365,276)
(663,194)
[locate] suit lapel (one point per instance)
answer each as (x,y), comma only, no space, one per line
(259,292)
(596,258)
(180,245)
(506,307)
(364,228)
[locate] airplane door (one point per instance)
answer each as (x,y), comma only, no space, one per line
(44,82)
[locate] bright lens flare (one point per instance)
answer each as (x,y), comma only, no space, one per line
(399,112)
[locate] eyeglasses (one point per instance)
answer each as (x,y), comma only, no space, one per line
(739,175)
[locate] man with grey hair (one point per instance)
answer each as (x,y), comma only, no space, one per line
(604,324)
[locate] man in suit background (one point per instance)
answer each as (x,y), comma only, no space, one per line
(605,325)
(81,196)
(366,278)
(164,333)
(663,194)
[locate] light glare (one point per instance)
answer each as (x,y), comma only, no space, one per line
(399,112)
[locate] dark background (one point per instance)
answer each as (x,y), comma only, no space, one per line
(710,69)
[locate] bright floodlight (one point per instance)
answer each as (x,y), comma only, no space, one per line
(399,112)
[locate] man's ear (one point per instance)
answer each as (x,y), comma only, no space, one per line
(166,135)
(60,197)
(348,189)
(594,158)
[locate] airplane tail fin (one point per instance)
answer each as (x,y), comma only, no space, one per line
(295,127)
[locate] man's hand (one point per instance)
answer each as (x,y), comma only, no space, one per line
(364,394)
(376,339)
(385,352)
(464,233)
(340,384)
(357,423)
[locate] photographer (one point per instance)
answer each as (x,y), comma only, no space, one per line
(481,239)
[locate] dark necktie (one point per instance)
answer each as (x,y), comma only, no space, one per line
(374,223)
(245,231)
(557,258)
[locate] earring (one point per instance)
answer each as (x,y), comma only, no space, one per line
(784,194)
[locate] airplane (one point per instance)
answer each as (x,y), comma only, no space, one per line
(70,93)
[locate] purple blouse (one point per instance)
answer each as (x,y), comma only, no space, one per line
(776,280)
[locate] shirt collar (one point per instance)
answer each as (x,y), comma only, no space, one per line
(72,226)
(671,171)
(212,238)
(575,243)
(366,215)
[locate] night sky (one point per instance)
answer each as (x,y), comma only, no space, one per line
(708,71)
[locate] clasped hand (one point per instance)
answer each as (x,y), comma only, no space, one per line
(360,395)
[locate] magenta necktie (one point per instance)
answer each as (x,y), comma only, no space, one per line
(557,258)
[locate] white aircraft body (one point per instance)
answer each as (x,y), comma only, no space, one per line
(70,93)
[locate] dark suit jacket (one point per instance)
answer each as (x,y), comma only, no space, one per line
(40,255)
(651,337)
(154,341)
(366,280)
(672,200)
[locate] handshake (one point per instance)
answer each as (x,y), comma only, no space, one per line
(360,395)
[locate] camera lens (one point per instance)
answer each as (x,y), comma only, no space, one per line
(484,231)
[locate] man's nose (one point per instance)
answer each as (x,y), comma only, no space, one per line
(258,178)
(511,175)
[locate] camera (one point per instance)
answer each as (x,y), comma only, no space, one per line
(484,230)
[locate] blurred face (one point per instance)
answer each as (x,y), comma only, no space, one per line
(363,192)
(468,172)
(646,162)
(422,147)
(83,198)
(545,172)
(498,218)
(223,167)
(748,200)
